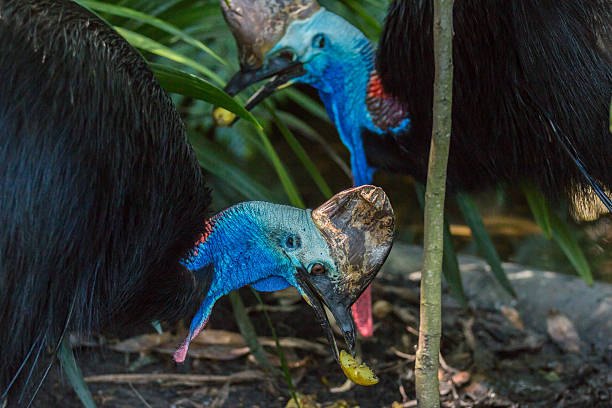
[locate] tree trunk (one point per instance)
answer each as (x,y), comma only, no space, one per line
(426,366)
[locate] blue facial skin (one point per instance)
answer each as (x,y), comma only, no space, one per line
(258,244)
(338,60)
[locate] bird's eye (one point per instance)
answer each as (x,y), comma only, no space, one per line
(318,41)
(317,269)
(292,242)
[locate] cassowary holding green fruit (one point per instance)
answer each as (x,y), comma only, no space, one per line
(106,213)
(532,89)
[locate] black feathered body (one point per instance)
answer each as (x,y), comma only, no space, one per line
(100,193)
(521,69)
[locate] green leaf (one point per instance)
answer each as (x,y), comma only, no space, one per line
(310,105)
(149,45)
(558,230)
(301,153)
(539,209)
(217,161)
(155,22)
(74,374)
(450,265)
(295,198)
(483,240)
(568,243)
(176,81)
(370,21)
(308,131)
(180,85)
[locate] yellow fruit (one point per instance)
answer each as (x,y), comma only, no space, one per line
(223,117)
(358,373)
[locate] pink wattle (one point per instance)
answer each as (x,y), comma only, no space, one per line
(362,313)
(181,353)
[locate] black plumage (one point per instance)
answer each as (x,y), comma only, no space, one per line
(531,95)
(100,193)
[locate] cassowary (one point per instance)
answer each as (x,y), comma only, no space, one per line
(106,213)
(532,88)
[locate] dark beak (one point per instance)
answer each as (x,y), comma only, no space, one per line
(358,225)
(281,69)
(321,295)
(257,26)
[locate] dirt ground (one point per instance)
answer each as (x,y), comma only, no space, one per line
(489,360)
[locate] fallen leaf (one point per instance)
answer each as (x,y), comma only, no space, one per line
(292,342)
(217,337)
(305,401)
(275,360)
(512,315)
(461,378)
(141,343)
(476,391)
(223,337)
(562,331)
(209,352)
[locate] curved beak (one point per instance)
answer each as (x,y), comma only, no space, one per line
(280,69)
(257,25)
(358,225)
(320,300)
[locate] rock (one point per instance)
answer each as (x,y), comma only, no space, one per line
(539,292)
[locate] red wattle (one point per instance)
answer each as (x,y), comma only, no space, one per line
(362,313)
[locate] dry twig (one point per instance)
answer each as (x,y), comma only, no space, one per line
(242,376)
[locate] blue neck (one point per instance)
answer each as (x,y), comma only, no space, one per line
(343,88)
(237,232)
(343,92)
(237,255)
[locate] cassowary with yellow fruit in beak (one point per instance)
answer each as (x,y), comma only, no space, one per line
(531,94)
(106,214)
